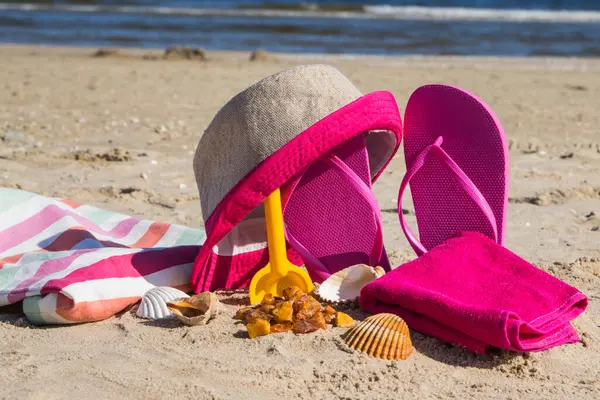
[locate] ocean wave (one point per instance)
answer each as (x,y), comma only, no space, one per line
(482,14)
(315,11)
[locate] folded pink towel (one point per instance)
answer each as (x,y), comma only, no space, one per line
(474,293)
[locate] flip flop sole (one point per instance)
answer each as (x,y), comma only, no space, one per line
(473,137)
(329,216)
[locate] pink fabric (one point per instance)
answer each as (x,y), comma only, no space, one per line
(374,111)
(332,218)
(462,183)
(236,272)
(77,263)
(472,292)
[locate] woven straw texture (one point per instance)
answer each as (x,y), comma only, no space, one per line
(260,120)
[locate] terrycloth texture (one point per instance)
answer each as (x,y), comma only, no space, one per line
(260,141)
(475,293)
(73,263)
(457,166)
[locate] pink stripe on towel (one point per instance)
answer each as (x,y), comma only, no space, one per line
(20,232)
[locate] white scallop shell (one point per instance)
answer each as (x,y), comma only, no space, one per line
(345,285)
(154,302)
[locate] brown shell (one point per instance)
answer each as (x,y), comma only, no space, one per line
(384,336)
(195,310)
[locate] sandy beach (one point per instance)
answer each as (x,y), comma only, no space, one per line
(119,130)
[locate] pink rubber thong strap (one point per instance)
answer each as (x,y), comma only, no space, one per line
(464,181)
(365,191)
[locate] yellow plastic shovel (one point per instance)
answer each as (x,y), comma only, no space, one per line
(279,273)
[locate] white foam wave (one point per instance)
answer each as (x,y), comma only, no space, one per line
(483,14)
(369,12)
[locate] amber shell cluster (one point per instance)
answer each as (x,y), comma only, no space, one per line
(295,311)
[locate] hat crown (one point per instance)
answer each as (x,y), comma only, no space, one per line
(257,122)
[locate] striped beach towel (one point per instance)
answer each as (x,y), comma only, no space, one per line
(72,263)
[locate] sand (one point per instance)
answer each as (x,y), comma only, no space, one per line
(119,132)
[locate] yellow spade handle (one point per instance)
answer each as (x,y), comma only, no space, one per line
(275,234)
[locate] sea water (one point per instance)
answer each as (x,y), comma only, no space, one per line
(386,27)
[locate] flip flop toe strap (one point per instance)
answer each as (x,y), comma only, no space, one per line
(465,182)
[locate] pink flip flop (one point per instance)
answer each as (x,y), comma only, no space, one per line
(331,216)
(457,167)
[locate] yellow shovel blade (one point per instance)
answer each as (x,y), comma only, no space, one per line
(279,273)
(266,281)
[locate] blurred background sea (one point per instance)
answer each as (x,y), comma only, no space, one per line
(568,28)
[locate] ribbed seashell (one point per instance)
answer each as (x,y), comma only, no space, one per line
(343,287)
(196,310)
(154,302)
(384,336)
